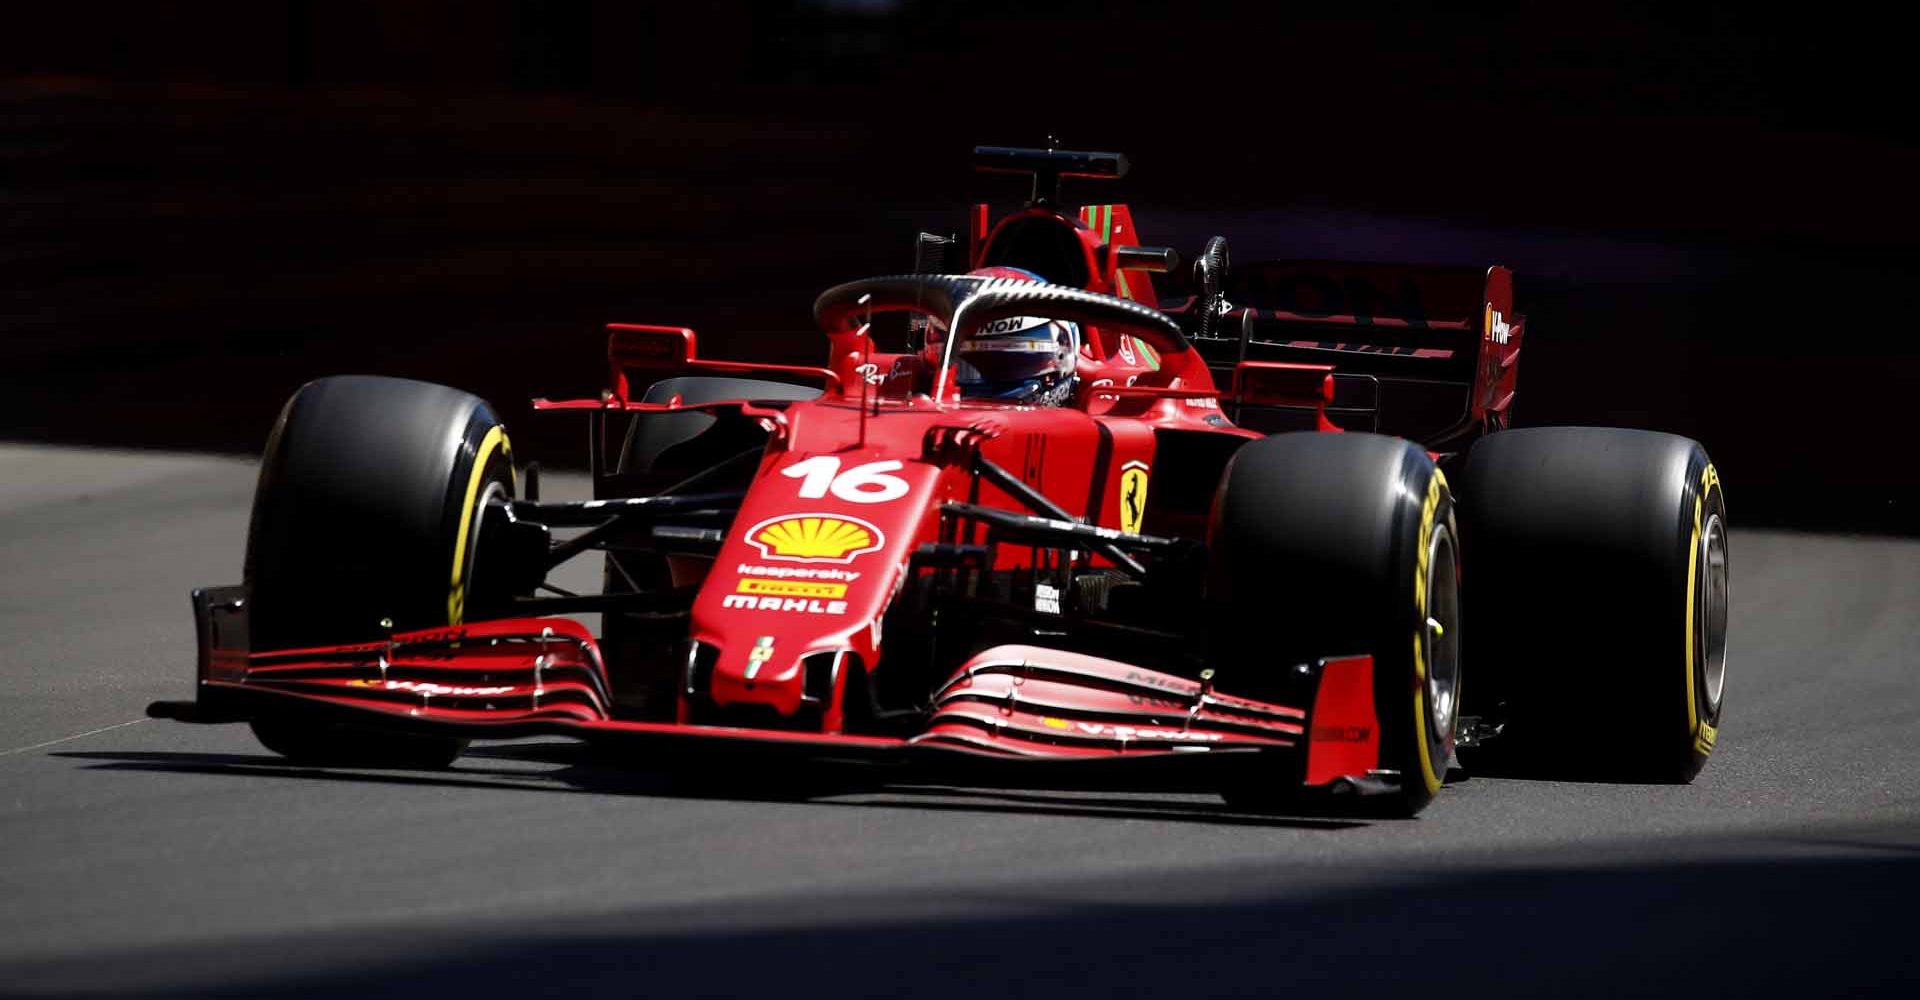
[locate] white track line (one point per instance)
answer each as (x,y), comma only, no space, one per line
(75,736)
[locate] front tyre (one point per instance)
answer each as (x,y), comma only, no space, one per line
(1339,544)
(368,509)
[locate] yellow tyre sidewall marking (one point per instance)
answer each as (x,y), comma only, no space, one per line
(457,595)
(1428,771)
(1701,731)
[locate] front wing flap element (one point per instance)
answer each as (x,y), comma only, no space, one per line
(517,669)
(1032,701)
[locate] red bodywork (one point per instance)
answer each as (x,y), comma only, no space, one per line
(850,487)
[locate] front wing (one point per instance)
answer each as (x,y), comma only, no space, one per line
(524,677)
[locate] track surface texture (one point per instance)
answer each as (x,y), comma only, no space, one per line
(151,858)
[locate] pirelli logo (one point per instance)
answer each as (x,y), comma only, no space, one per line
(791,588)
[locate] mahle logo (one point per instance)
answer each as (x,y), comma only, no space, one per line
(815,537)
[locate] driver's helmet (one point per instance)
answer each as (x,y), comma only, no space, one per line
(1019,359)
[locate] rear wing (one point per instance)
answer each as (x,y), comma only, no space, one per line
(1429,354)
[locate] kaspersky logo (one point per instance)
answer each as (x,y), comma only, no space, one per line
(834,538)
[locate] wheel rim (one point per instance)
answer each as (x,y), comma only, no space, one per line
(1442,634)
(1711,612)
(495,493)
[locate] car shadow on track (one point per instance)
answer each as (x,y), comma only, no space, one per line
(1597,766)
(816,783)
(1741,916)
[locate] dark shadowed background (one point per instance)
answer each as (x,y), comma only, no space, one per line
(1709,212)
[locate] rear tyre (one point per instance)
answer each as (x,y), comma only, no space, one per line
(1630,527)
(368,507)
(1340,544)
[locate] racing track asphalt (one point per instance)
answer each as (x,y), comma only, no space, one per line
(154,858)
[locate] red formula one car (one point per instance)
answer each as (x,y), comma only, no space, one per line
(896,556)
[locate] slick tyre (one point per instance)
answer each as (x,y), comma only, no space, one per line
(1339,544)
(1597,559)
(368,508)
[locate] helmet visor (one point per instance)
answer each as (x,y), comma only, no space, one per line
(1016,349)
(1007,359)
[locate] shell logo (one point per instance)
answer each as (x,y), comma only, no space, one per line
(815,537)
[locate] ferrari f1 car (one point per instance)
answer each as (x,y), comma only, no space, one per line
(1277,530)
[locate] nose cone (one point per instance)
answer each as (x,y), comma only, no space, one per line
(792,581)
(767,615)
(816,552)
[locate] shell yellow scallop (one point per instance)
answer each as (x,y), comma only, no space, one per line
(815,536)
